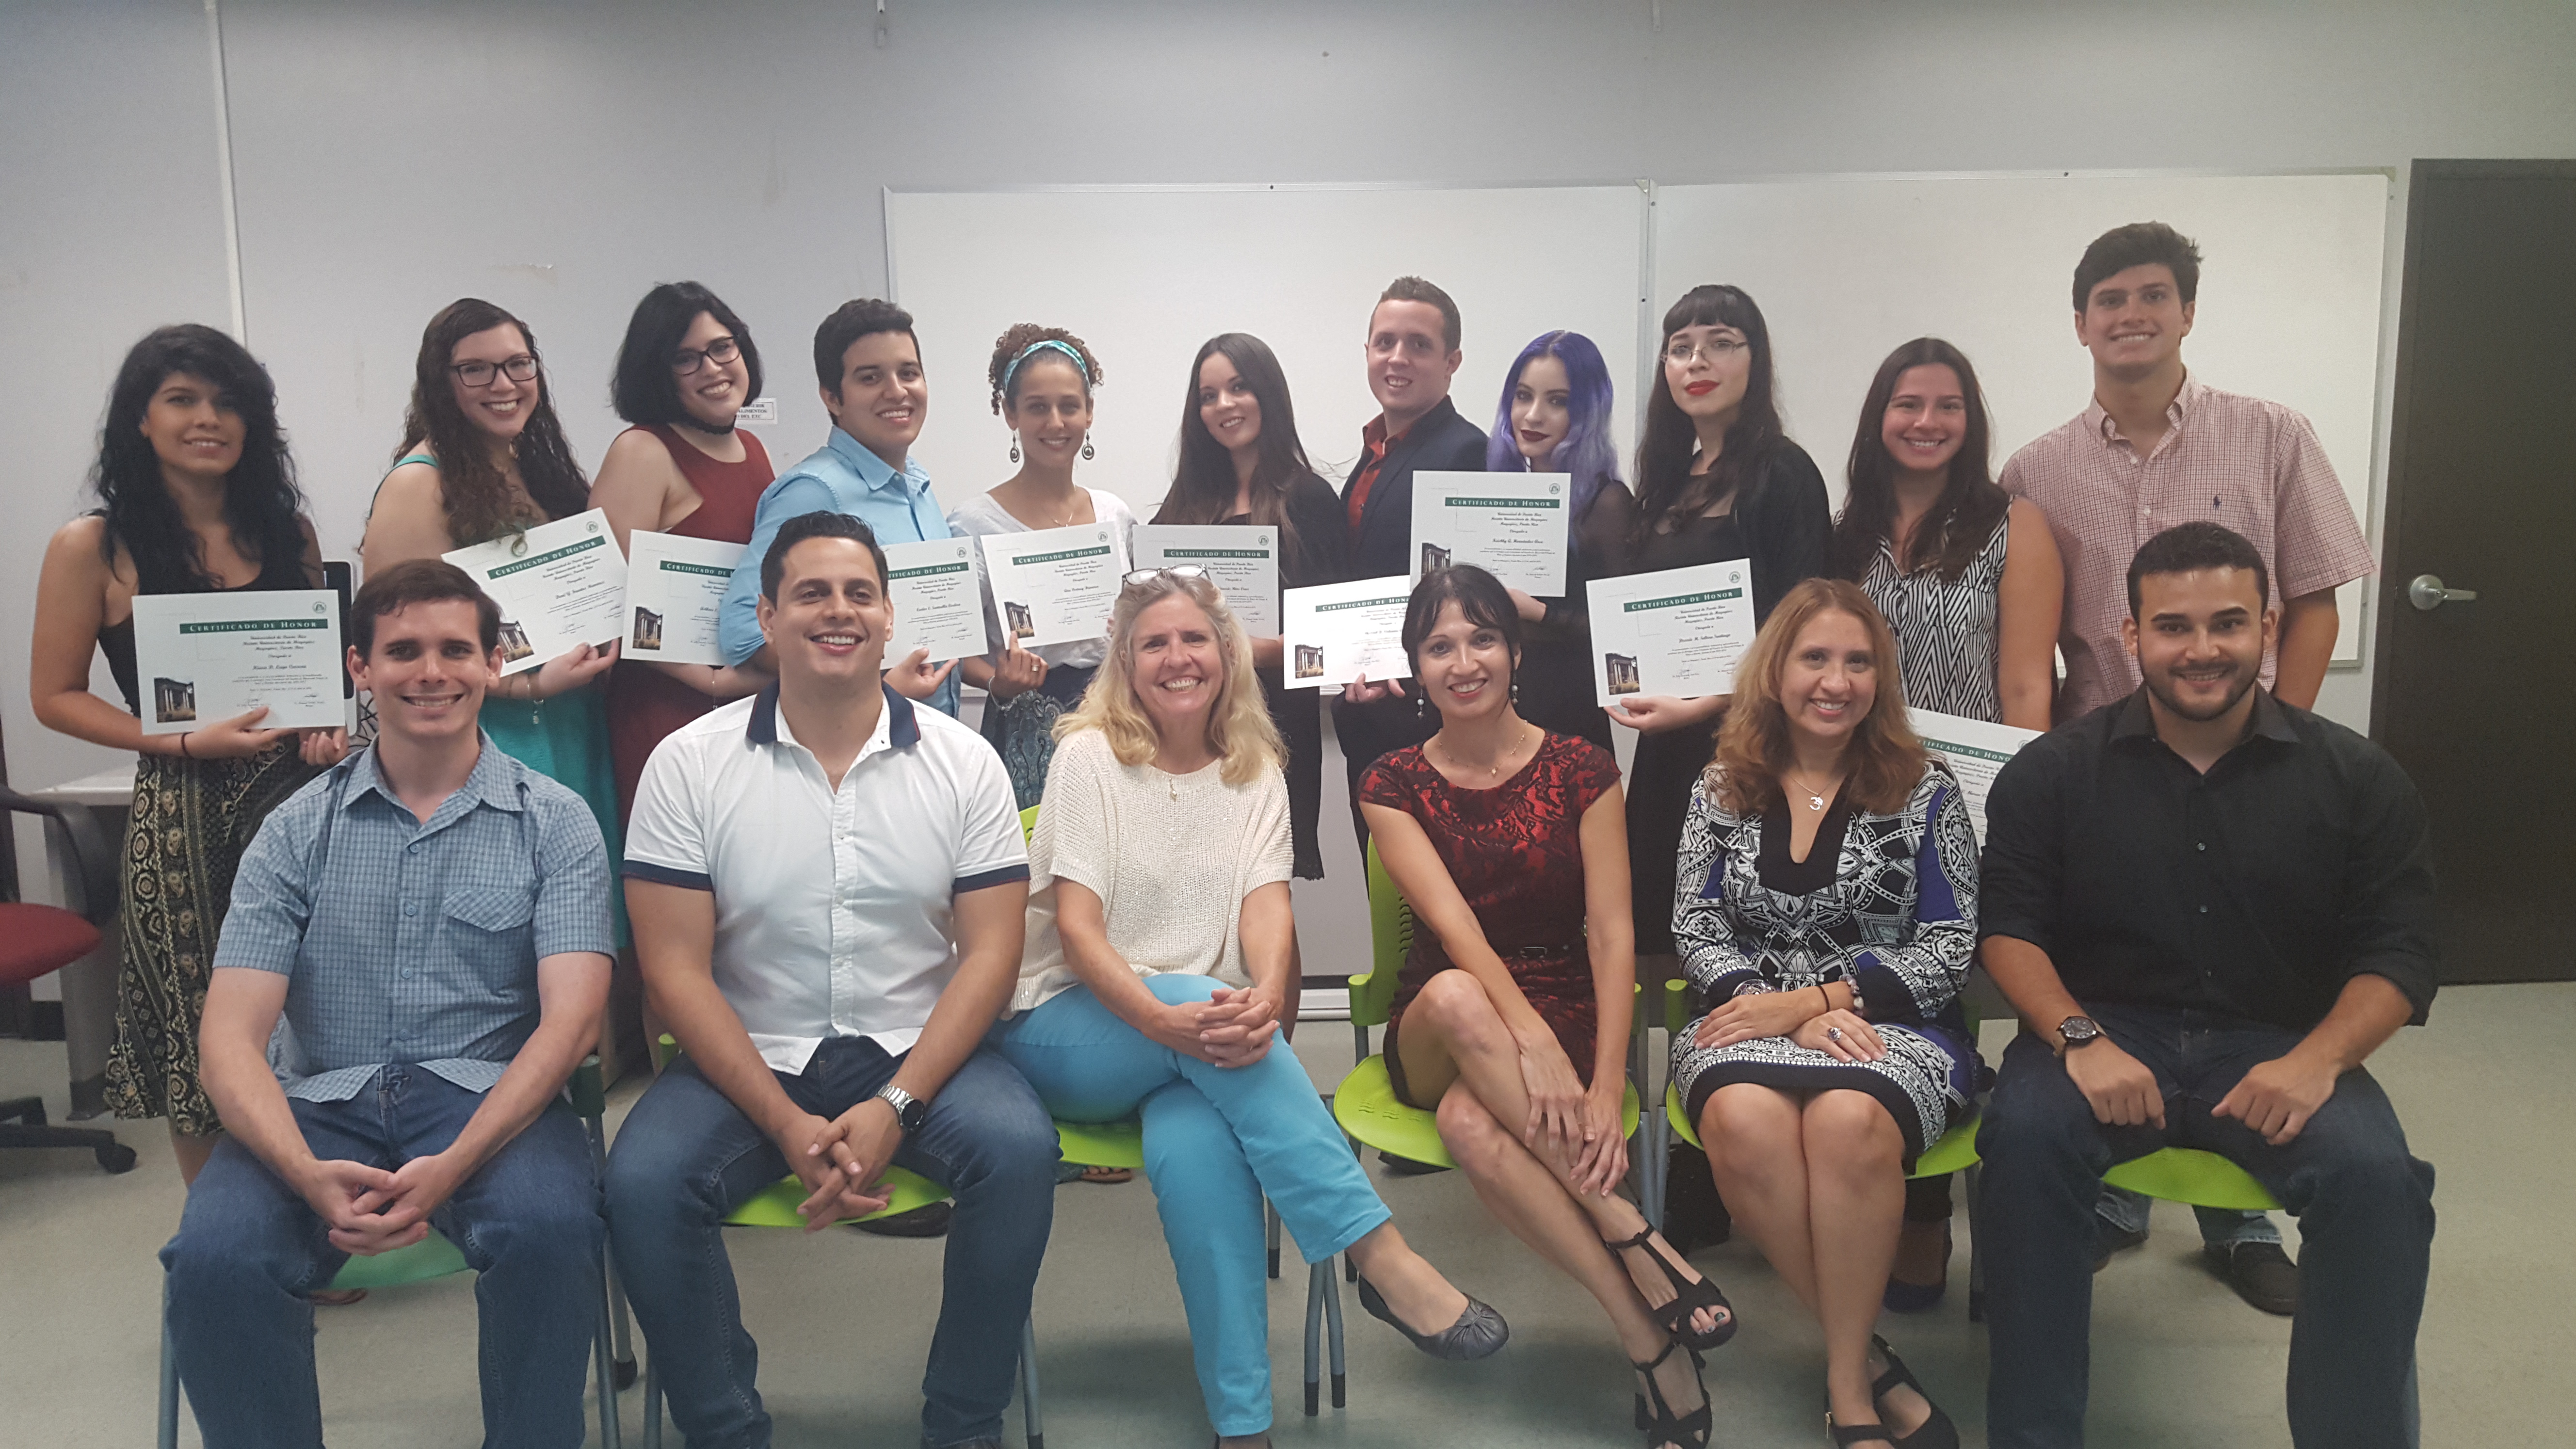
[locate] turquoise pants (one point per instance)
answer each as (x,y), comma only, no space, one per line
(1217,1139)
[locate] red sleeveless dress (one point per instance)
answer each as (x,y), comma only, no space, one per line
(644,704)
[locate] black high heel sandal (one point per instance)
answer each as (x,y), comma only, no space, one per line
(1690,1295)
(1935,1432)
(1663,1427)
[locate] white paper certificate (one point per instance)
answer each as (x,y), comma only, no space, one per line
(1511,525)
(1676,632)
(938,603)
(1241,559)
(207,657)
(1334,633)
(1054,585)
(560,585)
(674,586)
(1976,751)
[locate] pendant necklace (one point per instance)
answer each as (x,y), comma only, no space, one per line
(1815,799)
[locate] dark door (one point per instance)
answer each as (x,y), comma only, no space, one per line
(2476,697)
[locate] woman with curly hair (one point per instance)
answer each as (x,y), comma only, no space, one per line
(196,495)
(1042,379)
(482,457)
(1827,915)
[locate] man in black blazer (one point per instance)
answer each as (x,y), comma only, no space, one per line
(1412,354)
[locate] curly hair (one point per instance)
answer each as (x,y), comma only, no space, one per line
(1012,347)
(1753,749)
(1239,730)
(474,493)
(262,506)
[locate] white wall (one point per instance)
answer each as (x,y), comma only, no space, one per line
(561,158)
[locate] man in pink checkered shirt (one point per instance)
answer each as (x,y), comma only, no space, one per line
(2157,448)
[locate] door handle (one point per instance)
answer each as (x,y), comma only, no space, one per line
(2427,594)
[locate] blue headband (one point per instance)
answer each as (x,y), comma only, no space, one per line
(1067,348)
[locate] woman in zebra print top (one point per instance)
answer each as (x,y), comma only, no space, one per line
(1968,578)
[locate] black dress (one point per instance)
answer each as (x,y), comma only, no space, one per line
(1781,522)
(1318,551)
(1556,682)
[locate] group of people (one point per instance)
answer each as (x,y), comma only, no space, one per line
(2206,904)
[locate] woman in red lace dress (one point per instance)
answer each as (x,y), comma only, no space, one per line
(1512,1013)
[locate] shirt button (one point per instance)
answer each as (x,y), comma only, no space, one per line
(2204,910)
(406,971)
(411,910)
(2200,845)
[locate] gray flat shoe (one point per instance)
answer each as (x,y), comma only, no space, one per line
(1478,1333)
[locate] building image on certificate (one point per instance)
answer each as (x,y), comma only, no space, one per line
(1434,558)
(1017,619)
(173,700)
(648,628)
(514,642)
(1621,670)
(1310,661)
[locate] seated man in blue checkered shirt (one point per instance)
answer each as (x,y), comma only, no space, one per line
(431,919)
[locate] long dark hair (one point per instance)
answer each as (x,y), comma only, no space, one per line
(1961,520)
(1586,454)
(262,506)
(644,389)
(1203,483)
(475,494)
(1665,487)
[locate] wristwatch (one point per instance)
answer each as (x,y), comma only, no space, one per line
(2075,1031)
(909,1111)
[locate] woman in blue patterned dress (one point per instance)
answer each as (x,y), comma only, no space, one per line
(1826,910)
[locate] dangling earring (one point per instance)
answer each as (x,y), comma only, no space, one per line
(1516,694)
(1419,701)
(1015,447)
(1086,447)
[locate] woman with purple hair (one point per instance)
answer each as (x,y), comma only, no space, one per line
(1555,418)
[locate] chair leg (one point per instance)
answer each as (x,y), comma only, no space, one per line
(621,1335)
(1029,1413)
(1270,1229)
(1976,1255)
(1332,1325)
(1314,1353)
(603,1363)
(652,1407)
(169,1437)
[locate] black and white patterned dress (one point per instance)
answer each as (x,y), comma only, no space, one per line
(1948,631)
(1884,903)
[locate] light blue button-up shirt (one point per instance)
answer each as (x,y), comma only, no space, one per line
(840,477)
(415,941)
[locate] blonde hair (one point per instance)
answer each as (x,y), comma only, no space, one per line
(1239,730)
(1886,758)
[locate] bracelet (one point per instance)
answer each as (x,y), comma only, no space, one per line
(183,745)
(1822,996)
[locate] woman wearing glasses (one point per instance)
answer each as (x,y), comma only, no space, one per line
(1042,380)
(1717,479)
(483,456)
(1158,963)
(685,371)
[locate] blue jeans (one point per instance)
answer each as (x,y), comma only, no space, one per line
(2364,1204)
(1216,1139)
(249,1249)
(2219,1227)
(686,1157)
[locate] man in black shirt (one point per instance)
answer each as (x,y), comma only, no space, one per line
(2208,908)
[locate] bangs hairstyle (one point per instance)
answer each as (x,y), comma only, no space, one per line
(1586,455)
(1203,483)
(475,495)
(1239,730)
(1481,599)
(419,581)
(262,507)
(1753,748)
(1665,488)
(1961,519)
(645,389)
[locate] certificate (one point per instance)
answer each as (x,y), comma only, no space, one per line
(1054,585)
(1511,525)
(1241,559)
(1676,632)
(674,586)
(1976,751)
(209,657)
(938,603)
(1334,633)
(560,585)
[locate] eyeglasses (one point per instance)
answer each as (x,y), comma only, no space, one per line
(1681,352)
(1177,571)
(479,374)
(689,359)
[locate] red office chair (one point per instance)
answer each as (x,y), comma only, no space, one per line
(39,940)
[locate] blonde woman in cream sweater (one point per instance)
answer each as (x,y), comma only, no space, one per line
(1159,950)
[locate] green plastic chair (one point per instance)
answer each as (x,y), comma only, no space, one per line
(1955,1152)
(434,1257)
(2189,1175)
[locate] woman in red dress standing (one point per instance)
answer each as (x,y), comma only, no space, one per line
(685,371)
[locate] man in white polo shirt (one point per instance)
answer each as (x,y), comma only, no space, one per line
(828,886)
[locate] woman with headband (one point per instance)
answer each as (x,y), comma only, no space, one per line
(1158,972)
(1042,380)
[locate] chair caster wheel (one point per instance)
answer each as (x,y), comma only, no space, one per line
(119,1158)
(623,1373)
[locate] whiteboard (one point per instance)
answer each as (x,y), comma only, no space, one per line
(1845,269)
(1145,275)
